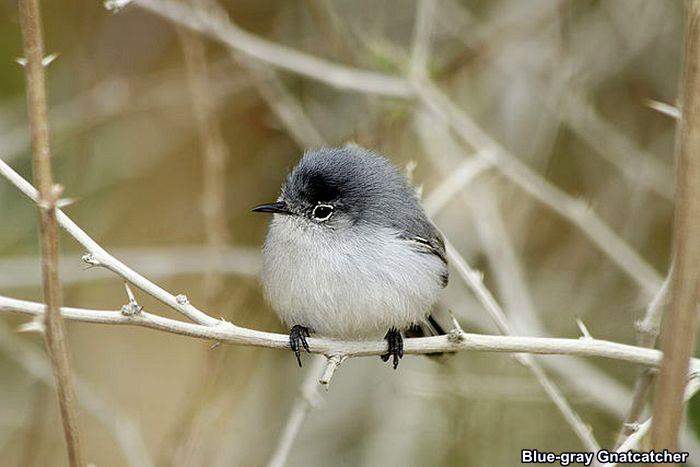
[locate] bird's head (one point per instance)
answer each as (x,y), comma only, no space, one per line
(340,187)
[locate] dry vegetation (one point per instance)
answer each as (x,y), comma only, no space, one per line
(540,133)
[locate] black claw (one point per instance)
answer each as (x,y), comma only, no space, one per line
(298,335)
(395,347)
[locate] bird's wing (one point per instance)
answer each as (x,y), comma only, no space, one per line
(433,245)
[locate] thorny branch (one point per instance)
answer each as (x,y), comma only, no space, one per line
(455,342)
(47,199)
(679,329)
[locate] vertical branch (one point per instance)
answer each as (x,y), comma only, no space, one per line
(309,397)
(647,334)
(422,30)
(678,334)
(54,333)
(214,150)
(178,447)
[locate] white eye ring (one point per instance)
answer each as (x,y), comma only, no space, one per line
(322,212)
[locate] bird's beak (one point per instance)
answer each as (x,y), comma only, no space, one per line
(279,207)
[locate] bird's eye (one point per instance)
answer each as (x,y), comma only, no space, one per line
(322,212)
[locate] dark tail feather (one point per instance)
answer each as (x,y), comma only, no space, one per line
(426,328)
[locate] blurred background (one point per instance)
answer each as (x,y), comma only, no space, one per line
(530,134)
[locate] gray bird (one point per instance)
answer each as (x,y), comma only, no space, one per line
(350,253)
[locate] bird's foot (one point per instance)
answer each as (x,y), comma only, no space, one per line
(395,345)
(297,340)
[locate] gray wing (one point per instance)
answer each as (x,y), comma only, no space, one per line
(429,241)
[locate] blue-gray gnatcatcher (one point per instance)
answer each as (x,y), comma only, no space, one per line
(350,252)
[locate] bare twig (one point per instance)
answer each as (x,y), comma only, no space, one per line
(332,364)
(664,108)
(647,331)
(309,397)
(678,335)
(461,342)
(54,332)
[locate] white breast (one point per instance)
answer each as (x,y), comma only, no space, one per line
(348,283)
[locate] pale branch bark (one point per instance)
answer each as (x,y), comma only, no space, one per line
(678,334)
(308,398)
(454,342)
(98,256)
(47,197)
(332,365)
(647,333)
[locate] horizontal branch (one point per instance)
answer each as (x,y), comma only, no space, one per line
(454,342)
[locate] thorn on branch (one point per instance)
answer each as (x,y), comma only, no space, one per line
(53,199)
(132,308)
(35,325)
(182,299)
(664,108)
(334,362)
(456,334)
(631,427)
(646,327)
(63,202)
(21,61)
(225,324)
(90,259)
(115,6)
(584,330)
(477,276)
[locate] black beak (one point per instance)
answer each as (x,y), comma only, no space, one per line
(280,207)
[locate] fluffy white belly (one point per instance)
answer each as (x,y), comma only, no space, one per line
(347,284)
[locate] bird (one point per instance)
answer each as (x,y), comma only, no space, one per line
(350,253)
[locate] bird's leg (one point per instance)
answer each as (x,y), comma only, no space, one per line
(297,339)
(395,345)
